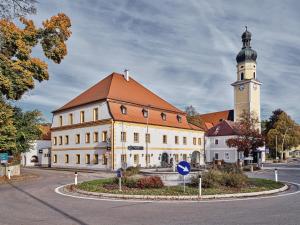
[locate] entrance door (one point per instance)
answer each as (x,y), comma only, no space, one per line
(195,159)
(164,160)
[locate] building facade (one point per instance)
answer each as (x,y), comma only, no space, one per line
(119,123)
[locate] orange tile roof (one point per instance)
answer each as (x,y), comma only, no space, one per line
(134,114)
(216,117)
(116,87)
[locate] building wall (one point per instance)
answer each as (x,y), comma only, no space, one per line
(156,148)
(229,155)
(37,146)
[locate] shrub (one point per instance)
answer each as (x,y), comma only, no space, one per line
(150,182)
(236,180)
(212,178)
(130,171)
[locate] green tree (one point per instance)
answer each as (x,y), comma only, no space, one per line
(249,138)
(28,129)
(7,128)
(18,68)
(283,128)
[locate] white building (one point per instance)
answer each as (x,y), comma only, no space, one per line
(215,143)
(39,154)
(119,123)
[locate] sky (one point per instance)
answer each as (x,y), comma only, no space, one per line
(182,50)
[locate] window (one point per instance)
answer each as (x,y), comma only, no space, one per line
(77,141)
(123,110)
(184,157)
(87,159)
(87,137)
(78,159)
(96,137)
(55,158)
(147,137)
(95,114)
(70,119)
(179,119)
(242,76)
(226,155)
(254,75)
(136,159)
(55,141)
(96,160)
(199,141)
(136,137)
(60,140)
(163,116)
(104,135)
(123,158)
(176,140)
(123,136)
(184,141)
(176,157)
(148,158)
(67,139)
(216,142)
(104,159)
(145,113)
(66,158)
(60,120)
(216,156)
(194,141)
(165,139)
(82,117)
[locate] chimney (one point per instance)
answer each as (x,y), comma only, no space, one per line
(126,74)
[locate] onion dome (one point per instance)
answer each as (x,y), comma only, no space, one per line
(246,53)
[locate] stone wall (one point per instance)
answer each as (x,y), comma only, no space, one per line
(15,170)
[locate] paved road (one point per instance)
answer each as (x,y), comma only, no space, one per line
(36,202)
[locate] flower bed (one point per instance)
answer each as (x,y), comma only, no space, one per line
(110,186)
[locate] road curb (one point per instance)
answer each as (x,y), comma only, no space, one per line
(191,197)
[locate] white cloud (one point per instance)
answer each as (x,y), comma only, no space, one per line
(182,50)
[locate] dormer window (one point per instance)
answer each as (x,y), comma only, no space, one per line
(179,119)
(123,110)
(163,116)
(145,113)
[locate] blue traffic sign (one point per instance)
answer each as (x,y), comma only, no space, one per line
(119,173)
(184,168)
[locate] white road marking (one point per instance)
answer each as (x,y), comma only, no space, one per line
(179,201)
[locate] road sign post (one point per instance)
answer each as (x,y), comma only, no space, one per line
(184,169)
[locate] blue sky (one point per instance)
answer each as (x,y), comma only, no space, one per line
(184,51)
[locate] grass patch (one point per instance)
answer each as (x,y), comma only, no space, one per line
(255,185)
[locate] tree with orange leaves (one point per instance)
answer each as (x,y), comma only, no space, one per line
(18,68)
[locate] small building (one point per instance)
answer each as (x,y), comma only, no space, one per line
(120,123)
(40,152)
(216,146)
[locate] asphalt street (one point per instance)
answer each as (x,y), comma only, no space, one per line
(35,202)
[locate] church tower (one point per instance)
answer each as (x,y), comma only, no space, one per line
(247,87)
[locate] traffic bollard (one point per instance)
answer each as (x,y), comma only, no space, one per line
(200,186)
(76,175)
(276,175)
(9,174)
(120,184)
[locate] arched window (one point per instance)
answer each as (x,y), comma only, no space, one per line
(242,76)
(254,75)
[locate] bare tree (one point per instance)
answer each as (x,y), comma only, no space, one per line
(10,9)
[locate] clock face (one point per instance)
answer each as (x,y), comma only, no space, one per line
(241,87)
